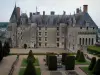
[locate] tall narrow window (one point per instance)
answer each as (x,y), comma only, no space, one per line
(83,41)
(45,38)
(57,28)
(80,41)
(57,39)
(57,33)
(39,28)
(39,33)
(39,43)
(57,44)
(92,41)
(89,41)
(86,41)
(45,33)
(45,44)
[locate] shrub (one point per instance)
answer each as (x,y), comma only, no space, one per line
(81,57)
(52,62)
(47,55)
(1,51)
(31,57)
(63,57)
(70,63)
(77,55)
(92,64)
(30,69)
(96,69)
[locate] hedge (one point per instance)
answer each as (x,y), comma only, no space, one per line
(52,62)
(70,62)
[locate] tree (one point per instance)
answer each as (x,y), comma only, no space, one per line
(6,49)
(81,57)
(30,69)
(92,64)
(25,46)
(1,51)
(31,57)
(96,69)
(78,53)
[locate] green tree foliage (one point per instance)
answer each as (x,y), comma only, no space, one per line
(1,51)
(31,57)
(77,55)
(52,62)
(6,49)
(81,57)
(70,63)
(92,64)
(96,69)
(30,69)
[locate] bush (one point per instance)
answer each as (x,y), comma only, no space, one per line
(77,55)
(1,51)
(52,62)
(47,55)
(31,57)
(30,69)
(96,69)
(92,64)
(81,57)
(63,57)
(70,63)
(6,49)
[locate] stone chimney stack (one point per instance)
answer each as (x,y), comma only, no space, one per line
(52,13)
(30,14)
(64,13)
(43,12)
(85,8)
(77,10)
(18,12)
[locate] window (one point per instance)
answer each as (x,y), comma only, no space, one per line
(45,33)
(57,39)
(89,41)
(45,38)
(87,28)
(39,33)
(39,28)
(83,41)
(45,28)
(57,44)
(86,41)
(39,43)
(92,41)
(57,28)
(45,44)
(39,38)
(80,27)
(93,28)
(57,33)
(80,41)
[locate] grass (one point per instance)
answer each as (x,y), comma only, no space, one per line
(82,63)
(94,48)
(21,72)
(24,62)
(85,69)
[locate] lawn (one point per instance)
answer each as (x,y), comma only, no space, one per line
(24,62)
(82,63)
(85,69)
(21,72)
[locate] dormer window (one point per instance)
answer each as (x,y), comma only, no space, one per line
(93,27)
(86,28)
(80,27)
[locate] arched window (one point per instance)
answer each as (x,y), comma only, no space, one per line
(83,41)
(86,41)
(80,41)
(89,41)
(92,41)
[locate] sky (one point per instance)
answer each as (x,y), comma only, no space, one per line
(7,6)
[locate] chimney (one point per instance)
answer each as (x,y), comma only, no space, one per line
(38,13)
(30,14)
(43,12)
(64,13)
(33,13)
(52,13)
(77,10)
(85,8)
(18,12)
